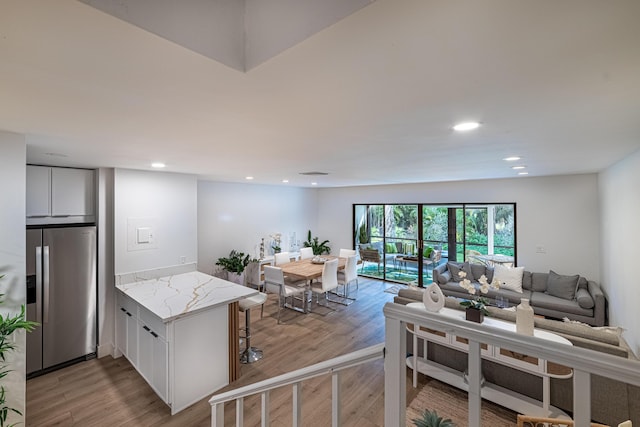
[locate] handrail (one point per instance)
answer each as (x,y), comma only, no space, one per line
(584,362)
(330,366)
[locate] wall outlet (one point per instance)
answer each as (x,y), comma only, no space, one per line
(183,259)
(541,249)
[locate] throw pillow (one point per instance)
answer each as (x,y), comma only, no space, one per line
(584,298)
(455,268)
(444,278)
(508,277)
(562,286)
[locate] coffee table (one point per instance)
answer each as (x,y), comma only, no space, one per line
(492,392)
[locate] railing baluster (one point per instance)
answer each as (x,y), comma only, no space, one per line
(395,390)
(335,399)
(475,399)
(581,398)
(217,418)
(297,405)
(265,409)
(240,412)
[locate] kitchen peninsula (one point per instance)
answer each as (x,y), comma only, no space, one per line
(176,332)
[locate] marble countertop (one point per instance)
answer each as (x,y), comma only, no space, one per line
(182,294)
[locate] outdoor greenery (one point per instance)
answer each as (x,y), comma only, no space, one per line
(236,262)
(431,419)
(318,247)
(9,325)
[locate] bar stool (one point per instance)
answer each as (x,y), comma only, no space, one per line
(250,354)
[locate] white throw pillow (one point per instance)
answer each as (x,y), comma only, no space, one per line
(508,277)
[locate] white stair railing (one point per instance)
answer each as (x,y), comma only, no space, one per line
(584,362)
(333,366)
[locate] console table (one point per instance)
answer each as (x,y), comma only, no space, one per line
(504,397)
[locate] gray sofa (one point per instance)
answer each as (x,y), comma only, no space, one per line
(612,402)
(550,294)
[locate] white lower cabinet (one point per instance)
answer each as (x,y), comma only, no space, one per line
(184,360)
(146,348)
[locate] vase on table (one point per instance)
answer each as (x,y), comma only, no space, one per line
(474,315)
(524,318)
(433,298)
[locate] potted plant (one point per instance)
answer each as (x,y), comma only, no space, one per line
(431,419)
(234,265)
(363,237)
(476,308)
(8,325)
(318,247)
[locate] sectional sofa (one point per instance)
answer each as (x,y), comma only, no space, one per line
(550,294)
(612,402)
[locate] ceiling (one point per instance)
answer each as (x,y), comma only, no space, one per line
(370,99)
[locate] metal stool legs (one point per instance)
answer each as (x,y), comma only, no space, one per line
(249,354)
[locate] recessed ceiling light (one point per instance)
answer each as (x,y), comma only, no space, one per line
(511,159)
(248,178)
(523,173)
(518,167)
(314,183)
(285,181)
(158,165)
(465,126)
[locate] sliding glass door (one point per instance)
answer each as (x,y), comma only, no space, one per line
(393,246)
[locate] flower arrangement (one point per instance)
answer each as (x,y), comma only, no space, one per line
(276,242)
(479,303)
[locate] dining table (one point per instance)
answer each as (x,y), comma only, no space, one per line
(308,270)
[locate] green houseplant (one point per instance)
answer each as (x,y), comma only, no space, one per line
(431,419)
(8,325)
(318,247)
(363,237)
(234,265)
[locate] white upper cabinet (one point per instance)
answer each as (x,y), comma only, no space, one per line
(60,195)
(38,188)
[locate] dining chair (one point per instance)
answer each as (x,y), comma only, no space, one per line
(306,253)
(274,283)
(347,276)
(252,276)
(328,282)
(282,258)
(346,253)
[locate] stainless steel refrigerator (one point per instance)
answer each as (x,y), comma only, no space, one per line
(61,296)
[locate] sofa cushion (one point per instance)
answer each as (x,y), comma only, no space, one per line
(455,268)
(478,270)
(582,283)
(584,298)
(539,281)
(562,286)
(560,305)
(508,278)
(526,280)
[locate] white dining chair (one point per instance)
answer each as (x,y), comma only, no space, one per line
(346,253)
(348,276)
(306,253)
(274,283)
(328,282)
(282,258)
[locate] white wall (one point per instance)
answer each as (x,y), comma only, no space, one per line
(559,213)
(165,201)
(13,160)
(236,216)
(620,224)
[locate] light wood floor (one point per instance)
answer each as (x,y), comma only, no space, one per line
(109,392)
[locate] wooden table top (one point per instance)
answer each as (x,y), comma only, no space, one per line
(307,270)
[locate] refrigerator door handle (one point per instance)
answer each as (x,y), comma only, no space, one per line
(39,284)
(45,265)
